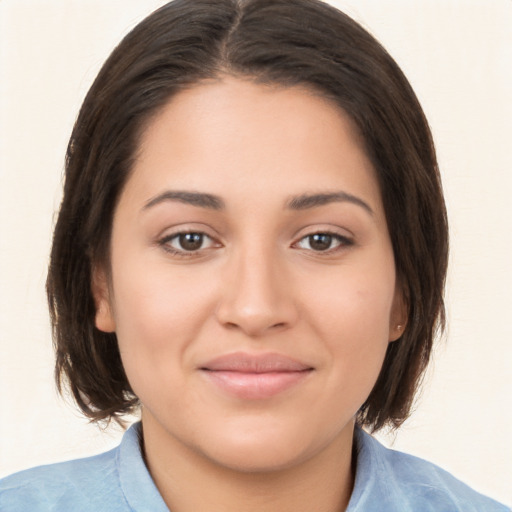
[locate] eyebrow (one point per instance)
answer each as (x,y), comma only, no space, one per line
(306,201)
(200,199)
(300,202)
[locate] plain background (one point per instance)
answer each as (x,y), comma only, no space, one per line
(457,55)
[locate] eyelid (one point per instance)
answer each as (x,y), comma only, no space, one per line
(186,227)
(170,234)
(328,229)
(345,240)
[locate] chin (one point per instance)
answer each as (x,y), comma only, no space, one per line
(261,450)
(252,459)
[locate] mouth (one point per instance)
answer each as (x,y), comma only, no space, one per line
(255,377)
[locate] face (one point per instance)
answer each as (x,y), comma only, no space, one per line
(252,283)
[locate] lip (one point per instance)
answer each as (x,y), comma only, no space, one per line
(255,377)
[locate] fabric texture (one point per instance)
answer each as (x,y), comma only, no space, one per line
(118,481)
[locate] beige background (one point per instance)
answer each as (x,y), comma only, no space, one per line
(458,56)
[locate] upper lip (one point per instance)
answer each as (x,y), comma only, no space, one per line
(255,363)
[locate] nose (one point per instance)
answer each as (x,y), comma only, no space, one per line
(257,296)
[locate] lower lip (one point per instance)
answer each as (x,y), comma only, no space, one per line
(255,386)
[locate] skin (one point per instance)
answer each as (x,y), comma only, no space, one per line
(257,284)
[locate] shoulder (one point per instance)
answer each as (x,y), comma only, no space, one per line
(79,485)
(398,479)
(115,481)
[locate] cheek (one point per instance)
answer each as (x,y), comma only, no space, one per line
(156,322)
(352,316)
(157,312)
(355,305)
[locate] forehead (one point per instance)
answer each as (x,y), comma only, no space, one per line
(232,133)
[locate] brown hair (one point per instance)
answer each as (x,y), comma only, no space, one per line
(287,42)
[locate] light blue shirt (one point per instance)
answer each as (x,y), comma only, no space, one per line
(118,481)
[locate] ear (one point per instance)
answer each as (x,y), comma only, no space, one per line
(399,315)
(104,319)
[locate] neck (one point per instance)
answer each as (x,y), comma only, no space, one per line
(189,481)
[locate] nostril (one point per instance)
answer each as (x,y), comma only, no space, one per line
(255,314)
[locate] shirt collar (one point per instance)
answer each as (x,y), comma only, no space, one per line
(374,487)
(136,483)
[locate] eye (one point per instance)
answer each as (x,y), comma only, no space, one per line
(186,242)
(323,242)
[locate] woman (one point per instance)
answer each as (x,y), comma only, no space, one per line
(252,249)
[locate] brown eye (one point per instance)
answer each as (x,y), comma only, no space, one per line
(320,241)
(190,241)
(324,242)
(187,243)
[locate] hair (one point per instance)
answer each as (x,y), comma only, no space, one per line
(279,42)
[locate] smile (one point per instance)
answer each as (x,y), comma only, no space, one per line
(255,377)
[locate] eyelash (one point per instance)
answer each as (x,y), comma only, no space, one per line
(182,253)
(343,243)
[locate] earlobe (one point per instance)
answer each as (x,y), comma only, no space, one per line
(104,319)
(398,317)
(396,332)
